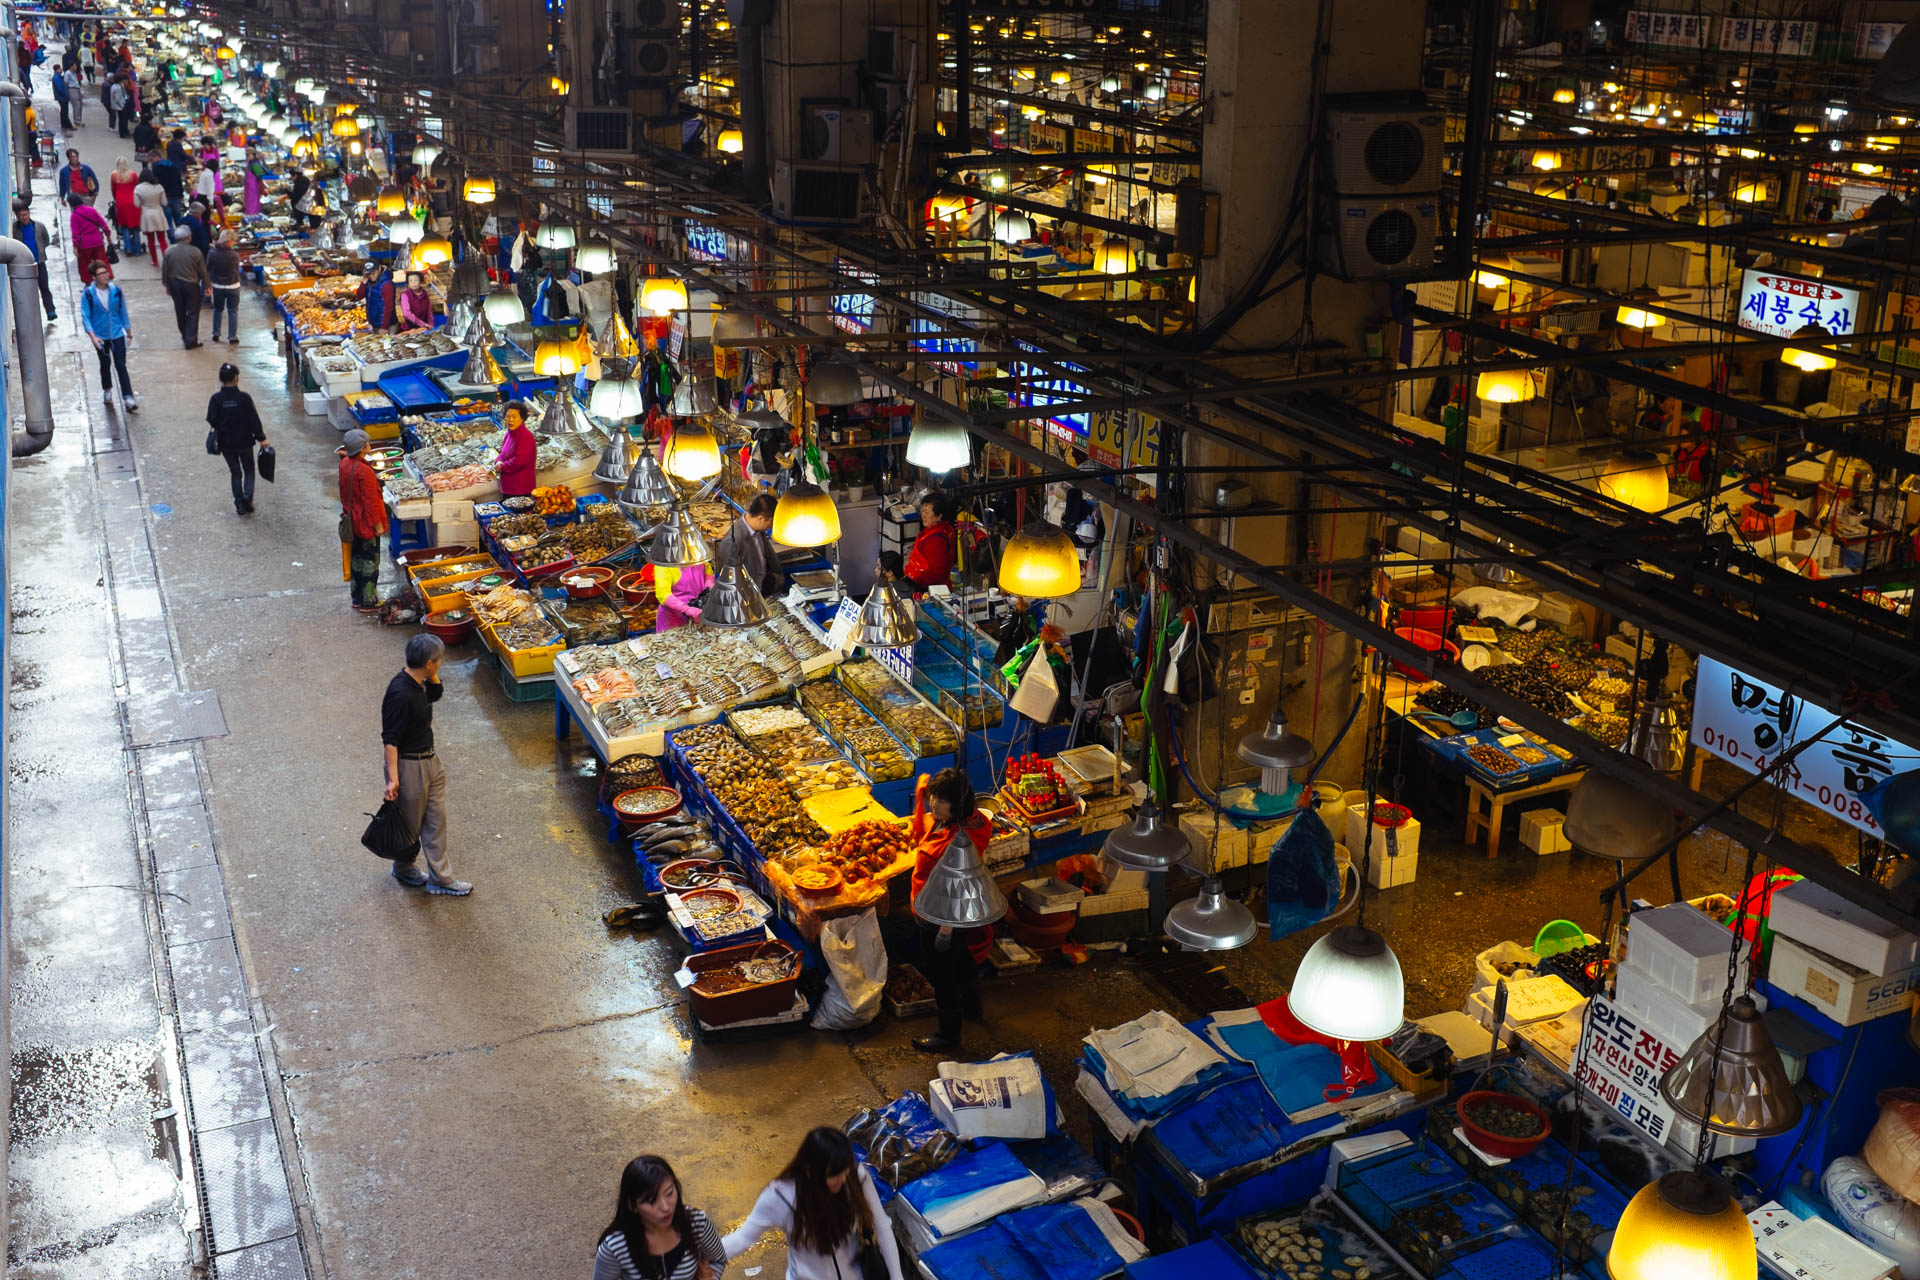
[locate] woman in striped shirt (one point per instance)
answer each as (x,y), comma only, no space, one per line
(654,1235)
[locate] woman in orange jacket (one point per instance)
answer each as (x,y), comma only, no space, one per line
(943,807)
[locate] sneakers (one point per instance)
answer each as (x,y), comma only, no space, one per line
(412,882)
(451,889)
(131,405)
(233,338)
(106,393)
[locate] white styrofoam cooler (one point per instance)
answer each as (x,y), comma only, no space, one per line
(1683,950)
(1829,924)
(1844,992)
(1406,839)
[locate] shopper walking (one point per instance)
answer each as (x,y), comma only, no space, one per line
(76,95)
(151,199)
(517,453)
(256,173)
(119,105)
(944,809)
(750,546)
(414,774)
(363,518)
(173,180)
(184,273)
(223,268)
(103,314)
(34,235)
(235,424)
(76,178)
(126,210)
(199,234)
(654,1235)
(827,1207)
(88,234)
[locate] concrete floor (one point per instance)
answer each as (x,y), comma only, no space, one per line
(457,1082)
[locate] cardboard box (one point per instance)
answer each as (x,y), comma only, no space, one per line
(1823,921)
(1844,992)
(1685,951)
(1544,831)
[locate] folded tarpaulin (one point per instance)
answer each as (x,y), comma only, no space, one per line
(1078,1240)
(1235,1125)
(1061,1163)
(1151,1056)
(1211,1259)
(1307,1079)
(1145,1109)
(973,1187)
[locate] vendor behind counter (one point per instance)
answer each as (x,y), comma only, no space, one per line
(749,545)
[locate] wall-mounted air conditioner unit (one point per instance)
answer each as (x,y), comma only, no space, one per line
(838,135)
(1384,152)
(1380,237)
(819,193)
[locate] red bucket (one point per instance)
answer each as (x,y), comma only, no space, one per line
(1433,642)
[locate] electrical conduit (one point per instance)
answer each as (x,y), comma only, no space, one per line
(23,286)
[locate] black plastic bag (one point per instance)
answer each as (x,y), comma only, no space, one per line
(389,835)
(264,464)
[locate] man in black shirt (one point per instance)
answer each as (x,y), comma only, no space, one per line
(236,428)
(414,775)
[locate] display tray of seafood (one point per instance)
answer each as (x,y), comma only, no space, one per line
(753,794)
(1310,1243)
(912,718)
(841,716)
(397,348)
(658,681)
(786,739)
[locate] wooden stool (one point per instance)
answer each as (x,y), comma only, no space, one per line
(1497,801)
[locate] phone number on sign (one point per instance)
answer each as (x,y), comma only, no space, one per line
(1843,803)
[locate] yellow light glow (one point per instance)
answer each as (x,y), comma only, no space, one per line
(806,517)
(1748,153)
(556,359)
(1059,75)
(560,85)
(946,208)
(1032,113)
(1805,128)
(664,295)
(304,147)
(346,127)
(1487,278)
(433,251)
(1749,193)
(392,202)
(692,453)
(1807,361)
(730,142)
(1563,96)
(1638,480)
(1610,86)
(478,190)
(1114,256)
(1636,318)
(1040,563)
(1657,1240)
(1504,386)
(1546,161)
(1866,170)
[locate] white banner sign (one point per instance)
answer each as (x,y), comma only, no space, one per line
(1791,39)
(1870,39)
(1623,1065)
(1685,30)
(1780,305)
(1749,723)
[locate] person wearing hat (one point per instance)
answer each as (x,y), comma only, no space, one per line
(236,428)
(363,518)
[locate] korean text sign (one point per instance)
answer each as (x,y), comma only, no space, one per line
(1779,305)
(1749,722)
(1621,1063)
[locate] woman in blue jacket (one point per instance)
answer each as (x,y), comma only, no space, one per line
(103,314)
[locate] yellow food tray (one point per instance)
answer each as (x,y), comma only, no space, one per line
(521,663)
(427,573)
(451,593)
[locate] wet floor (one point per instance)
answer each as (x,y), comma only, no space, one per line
(377,1084)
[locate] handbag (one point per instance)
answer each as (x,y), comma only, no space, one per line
(265,463)
(873,1263)
(213,441)
(389,835)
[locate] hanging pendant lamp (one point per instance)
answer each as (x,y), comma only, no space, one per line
(616,400)
(503,306)
(663,295)
(1349,986)
(886,619)
(1274,746)
(692,398)
(1633,312)
(647,491)
(938,445)
(692,453)
(1147,843)
(1747,1095)
(478,190)
(406,229)
(556,359)
(1686,1226)
(563,417)
(616,341)
(1211,921)
(831,382)
(733,601)
(595,255)
(1504,386)
(1810,359)
(554,236)
(1010,226)
(391,202)
(1040,563)
(1637,478)
(806,516)
(678,542)
(425,153)
(617,457)
(733,326)
(959,894)
(1611,818)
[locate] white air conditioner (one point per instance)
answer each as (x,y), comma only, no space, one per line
(1378,153)
(651,59)
(811,193)
(1381,237)
(600,131)
(839,135)
(661,16)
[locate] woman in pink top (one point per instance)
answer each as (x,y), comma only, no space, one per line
(90,232)
(416,304)
(517,452)
(679,609)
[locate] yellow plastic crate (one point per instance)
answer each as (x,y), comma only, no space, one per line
(427,573)
(521,663)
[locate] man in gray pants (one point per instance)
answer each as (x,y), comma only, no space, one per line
(414,775)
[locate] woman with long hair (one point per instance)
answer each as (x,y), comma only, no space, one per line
(126,212)
(825,1203)
(654,1235)
(151,199)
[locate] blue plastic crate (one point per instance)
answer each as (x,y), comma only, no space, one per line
(1427,1231)
(1517,1257)
(1374,1185)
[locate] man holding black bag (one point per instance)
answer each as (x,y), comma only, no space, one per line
(233,428)
(414,775)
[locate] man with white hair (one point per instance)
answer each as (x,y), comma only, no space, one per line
(183,270)
(414,775)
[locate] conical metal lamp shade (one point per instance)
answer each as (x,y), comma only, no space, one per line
(764,420)
(617,458)
(733,601)
(562,416)
(1147,843)
(959,894)
(831,383)
(1275,747)
(1210,922)
(1611,818)
(647,491)
(616,341)
(1896,81)
(479,330)
(678,542)
(1349,986)
(1748,1096)
(478,370)
(692,398)
(886,620)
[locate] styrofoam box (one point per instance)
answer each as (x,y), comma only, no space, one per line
(1112,901)
(1229,850)
(1386,873)
(1406,841)
(1544,831)
(1846,993)
(1826,922)
(1683,1138)
(1665,1014)
(315,403)
(1684,951)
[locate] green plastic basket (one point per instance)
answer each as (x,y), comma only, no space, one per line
(1556,936)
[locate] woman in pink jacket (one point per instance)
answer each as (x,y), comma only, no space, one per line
(678,609)
(90,232)
(517,452)
(416,304)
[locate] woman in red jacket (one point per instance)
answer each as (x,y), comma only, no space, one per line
(930,562)
(363,518)
(518,450)
(90,232)
(943,807)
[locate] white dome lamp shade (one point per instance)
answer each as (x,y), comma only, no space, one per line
(616,399)
(938,445)
(595,255)
(832,383)
(503,306)
(1212,921)
(554,236)
(1010,226)
(1147,843)
(1349,986)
